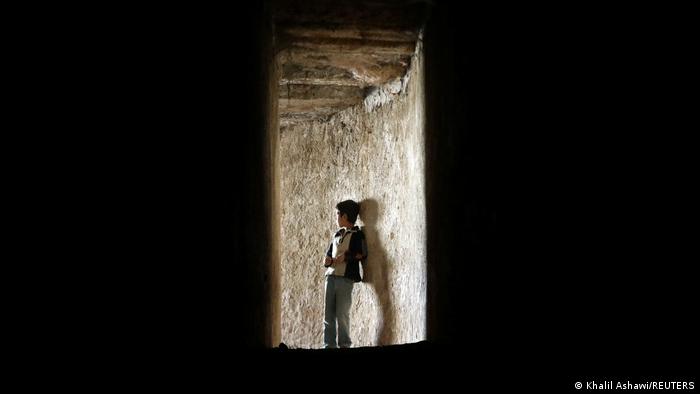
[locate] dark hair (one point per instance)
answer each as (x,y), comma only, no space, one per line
(350,208)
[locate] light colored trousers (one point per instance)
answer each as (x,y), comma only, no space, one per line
(338,302)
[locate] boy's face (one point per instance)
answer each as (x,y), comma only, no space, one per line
(342,219)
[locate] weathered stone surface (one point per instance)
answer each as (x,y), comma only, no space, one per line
(372,153)
(315,101)
(352,45)
(311,74)
(319,29)
(342,68)
(294,91)
(363,44)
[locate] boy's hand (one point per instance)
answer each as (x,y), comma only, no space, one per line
(328,261)
(340,258)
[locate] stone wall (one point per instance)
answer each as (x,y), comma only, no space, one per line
(372,153)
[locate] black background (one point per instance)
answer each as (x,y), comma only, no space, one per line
(570,133)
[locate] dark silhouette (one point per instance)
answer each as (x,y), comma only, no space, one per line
(376,273)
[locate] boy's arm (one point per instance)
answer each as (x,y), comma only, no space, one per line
(360,247)
(329,259)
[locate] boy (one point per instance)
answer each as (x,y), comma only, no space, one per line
(347,250)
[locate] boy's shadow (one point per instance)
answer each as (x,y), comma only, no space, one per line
(375,271)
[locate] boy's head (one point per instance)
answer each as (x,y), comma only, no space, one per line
(350,208)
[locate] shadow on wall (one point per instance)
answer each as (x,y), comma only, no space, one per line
(376,273)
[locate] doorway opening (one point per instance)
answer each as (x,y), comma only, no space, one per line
(350,113)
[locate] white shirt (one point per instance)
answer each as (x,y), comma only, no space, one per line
(341,243)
